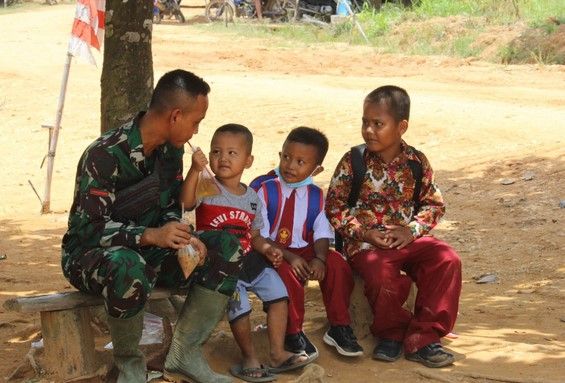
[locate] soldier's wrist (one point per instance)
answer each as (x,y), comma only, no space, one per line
(147,238)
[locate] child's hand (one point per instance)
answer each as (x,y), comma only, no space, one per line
(299,267)
(274,255)
(398,236)
(317,269)
(376,238)
(199,160)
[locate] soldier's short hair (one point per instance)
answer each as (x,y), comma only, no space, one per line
(173,85)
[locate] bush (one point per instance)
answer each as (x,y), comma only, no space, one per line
(542,45)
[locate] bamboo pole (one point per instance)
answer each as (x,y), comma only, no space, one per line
(53,137)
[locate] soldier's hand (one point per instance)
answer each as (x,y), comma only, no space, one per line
(173,235)
(200,247)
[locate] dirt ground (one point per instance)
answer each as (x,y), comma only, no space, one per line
(493,133)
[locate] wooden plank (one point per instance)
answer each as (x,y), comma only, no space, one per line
(361,312)
(67,300)
(69,343)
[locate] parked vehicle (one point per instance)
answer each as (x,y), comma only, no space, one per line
(276,10)
(320,9)
(170,8)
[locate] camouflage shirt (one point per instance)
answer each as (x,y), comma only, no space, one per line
(112,163)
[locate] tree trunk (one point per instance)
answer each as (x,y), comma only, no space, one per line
(127,72)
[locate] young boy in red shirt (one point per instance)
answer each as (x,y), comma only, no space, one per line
(294,218)
(237,210)
(385,232)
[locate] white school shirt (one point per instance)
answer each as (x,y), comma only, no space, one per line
(322,227)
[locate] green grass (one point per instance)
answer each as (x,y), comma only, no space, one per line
(378,22)
(499,11)
(540,45)
(443,8)
(438,27)
(282,35)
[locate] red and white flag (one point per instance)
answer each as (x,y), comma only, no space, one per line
(88,29)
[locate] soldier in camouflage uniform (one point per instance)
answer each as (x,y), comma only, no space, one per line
(124,232)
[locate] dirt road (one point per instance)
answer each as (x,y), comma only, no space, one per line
(478,123)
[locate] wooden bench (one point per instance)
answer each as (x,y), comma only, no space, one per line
(361,313)
(65,326)
(69,340)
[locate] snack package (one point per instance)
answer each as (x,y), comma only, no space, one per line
(206,185)
(188,259)
(187,256)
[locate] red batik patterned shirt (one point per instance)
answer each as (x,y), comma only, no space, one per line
(385,198)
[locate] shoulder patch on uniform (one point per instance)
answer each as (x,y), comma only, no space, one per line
(99,192)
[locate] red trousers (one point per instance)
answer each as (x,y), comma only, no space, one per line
(436,269)
(336,290)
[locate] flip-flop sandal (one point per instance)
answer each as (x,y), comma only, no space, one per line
(291,364)
(247,374)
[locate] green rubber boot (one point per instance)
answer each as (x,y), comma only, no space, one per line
(128,358)
(200,314)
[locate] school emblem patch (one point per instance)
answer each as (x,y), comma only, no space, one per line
(284,235)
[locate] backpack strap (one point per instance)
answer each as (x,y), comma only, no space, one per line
(359,169)
(257,181)
(272,195)
(315,206)
(417,174)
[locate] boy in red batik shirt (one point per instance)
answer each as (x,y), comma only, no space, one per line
(385,233)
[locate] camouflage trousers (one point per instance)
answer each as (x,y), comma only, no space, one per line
(125,277)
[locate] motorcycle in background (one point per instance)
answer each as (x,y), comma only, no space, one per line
(217,10)
(276,10)
(169,8)
(320,9)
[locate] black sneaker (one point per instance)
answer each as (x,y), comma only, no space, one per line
(309,347)
(388,350)
(294,343)
(299,343)
(433,355)
(343,339)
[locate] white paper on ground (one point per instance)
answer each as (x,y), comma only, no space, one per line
(152,331)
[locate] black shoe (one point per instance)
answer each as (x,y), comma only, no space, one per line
(294,343)
(388,350)
(299,343)
(343,339)
(309,347)
(433,355)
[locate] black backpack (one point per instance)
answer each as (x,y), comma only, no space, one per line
(359,169)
